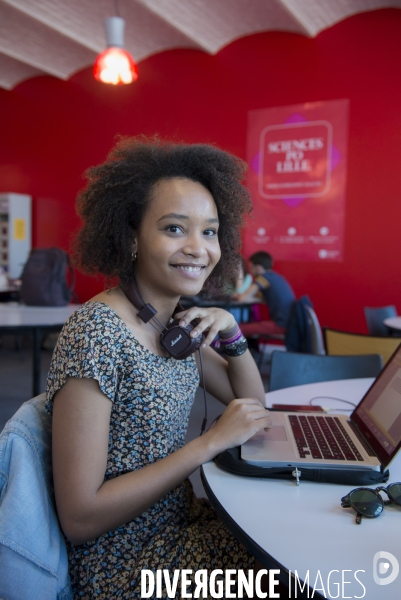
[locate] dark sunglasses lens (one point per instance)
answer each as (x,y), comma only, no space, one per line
(395,491)
(366,502)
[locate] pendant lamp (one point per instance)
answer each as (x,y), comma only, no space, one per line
(115,65)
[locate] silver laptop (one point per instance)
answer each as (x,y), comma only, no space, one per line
(368,439)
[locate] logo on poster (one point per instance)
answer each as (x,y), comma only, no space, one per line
(295,160)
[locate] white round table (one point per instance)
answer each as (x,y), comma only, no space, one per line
(18,318)
(393,322)
(304,528)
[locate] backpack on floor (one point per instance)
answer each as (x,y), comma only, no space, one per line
(48,278)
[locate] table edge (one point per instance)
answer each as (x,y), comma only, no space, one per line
(261,555)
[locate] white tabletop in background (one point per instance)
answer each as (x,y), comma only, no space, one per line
(393,322)
(14,315)
(305,527)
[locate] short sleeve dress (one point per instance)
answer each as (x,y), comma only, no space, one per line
(151,400)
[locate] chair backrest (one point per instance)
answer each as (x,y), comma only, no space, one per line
(33,554)
(291,368)
(375,316)
(298,335)
(342,342)
(316,331)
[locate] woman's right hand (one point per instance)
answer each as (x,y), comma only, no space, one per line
(243,418)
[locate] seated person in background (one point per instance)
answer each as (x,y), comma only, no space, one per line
(241,284)
(244,279)
(276,292)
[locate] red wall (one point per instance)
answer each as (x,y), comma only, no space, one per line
(51,131)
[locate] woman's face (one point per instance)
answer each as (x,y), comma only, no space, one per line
(177,242)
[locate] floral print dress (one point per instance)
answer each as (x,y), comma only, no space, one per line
(151,400)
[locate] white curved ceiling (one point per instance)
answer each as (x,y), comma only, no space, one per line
(61,37)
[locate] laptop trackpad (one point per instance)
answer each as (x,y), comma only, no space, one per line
(270,444)
(276,434)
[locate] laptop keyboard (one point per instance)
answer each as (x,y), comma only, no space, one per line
(323,437)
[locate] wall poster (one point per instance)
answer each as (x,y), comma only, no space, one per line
(297,157)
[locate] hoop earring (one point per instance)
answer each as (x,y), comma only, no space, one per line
(134,255)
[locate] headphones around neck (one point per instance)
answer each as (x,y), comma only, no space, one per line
(174,338)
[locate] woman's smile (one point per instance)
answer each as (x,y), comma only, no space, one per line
(193,271)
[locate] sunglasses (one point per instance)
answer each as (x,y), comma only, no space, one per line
(369,503)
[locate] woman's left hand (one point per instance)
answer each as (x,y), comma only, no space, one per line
(212,320)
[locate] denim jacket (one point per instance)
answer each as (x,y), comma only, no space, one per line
(33,556)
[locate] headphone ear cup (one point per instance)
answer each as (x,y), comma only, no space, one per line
(178,342)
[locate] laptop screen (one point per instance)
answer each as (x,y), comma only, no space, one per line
(378,415)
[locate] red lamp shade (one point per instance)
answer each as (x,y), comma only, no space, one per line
(115,65)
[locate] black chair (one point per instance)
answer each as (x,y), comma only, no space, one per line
(375,316)
(316,331)
(298,335)
(293,368)
(303,332)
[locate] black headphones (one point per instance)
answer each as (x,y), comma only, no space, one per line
(174,338)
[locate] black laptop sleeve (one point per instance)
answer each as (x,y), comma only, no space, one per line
(230,460)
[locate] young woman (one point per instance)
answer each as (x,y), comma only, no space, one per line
(168,215)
